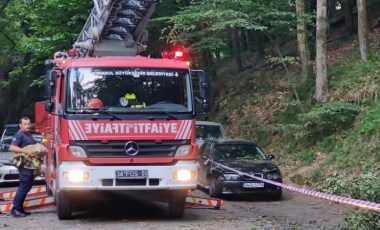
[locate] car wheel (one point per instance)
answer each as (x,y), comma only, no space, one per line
(177,202)
(213,190)
(277,195)
(63,204)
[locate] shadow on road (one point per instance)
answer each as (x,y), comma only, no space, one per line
(120,207)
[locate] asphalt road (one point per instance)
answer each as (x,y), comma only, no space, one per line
(295,211)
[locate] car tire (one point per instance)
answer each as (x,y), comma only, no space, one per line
(277,195)
(213,190)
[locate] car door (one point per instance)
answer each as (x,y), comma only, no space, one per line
(204,153)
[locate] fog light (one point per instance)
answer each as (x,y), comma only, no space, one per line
(76,176)
(184,175)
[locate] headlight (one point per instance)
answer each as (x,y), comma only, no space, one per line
(77,151)
(231,176)
(75,175)
(184,175)
(183,150)
(273,176)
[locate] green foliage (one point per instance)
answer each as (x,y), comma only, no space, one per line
(318,123)
(43,29)
(362,220)
(364,187)
(206,25)
(316,175)
(307,156)
(369,121)
(350,72)
(323,120)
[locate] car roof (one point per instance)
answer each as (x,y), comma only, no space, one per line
(206,123)
(232,141)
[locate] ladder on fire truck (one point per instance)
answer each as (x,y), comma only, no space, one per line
(116,28)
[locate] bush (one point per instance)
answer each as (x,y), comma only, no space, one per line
(328,118)
(364,187)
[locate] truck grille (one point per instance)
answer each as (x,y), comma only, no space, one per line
(147,148)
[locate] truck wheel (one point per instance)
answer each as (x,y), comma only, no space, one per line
(213,190)
(63,204)
(177,202)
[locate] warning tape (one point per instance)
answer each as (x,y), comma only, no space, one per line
(338,199)
(195,201)
(30,204)
(34,191)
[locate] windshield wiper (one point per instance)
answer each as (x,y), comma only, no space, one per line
(169,116)
(112,114)
(101,111)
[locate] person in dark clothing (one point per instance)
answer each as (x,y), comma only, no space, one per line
(22,138)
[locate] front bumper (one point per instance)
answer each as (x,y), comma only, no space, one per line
(237,187)
(9,174)
(104,177)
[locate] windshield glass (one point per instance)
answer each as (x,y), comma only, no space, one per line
(4,145)
(122,90)
(238,152)
(209,132)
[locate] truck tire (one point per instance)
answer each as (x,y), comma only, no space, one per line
(176,203)
(63,204)
(213,190)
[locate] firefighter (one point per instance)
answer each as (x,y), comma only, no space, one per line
(22,138)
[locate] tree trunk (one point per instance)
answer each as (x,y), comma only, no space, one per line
(363,29)
(236,49)
(302,39)
(321,84)
(347,8)
(258,42)
(244,39)
(248,39)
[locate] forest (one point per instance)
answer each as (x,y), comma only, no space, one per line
(300,77)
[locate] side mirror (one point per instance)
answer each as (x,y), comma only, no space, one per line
(49,106)
(51,79)
(270,157)
(50,88)
(204,90)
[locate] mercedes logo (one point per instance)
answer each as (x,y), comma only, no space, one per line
(131,148)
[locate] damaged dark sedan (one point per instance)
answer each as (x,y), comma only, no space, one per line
(243,156)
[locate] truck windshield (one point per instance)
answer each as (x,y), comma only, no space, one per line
(121,90)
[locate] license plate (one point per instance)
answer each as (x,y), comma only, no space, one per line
(131,173)
(13,171)
(253,185)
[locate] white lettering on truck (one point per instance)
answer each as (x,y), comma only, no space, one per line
(123,128)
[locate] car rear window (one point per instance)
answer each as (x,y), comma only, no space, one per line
(209,132)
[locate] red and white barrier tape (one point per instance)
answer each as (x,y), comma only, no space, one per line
(34,191)
(30,204)
(339,199)
(202,201)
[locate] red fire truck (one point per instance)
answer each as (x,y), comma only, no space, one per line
(116,122)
